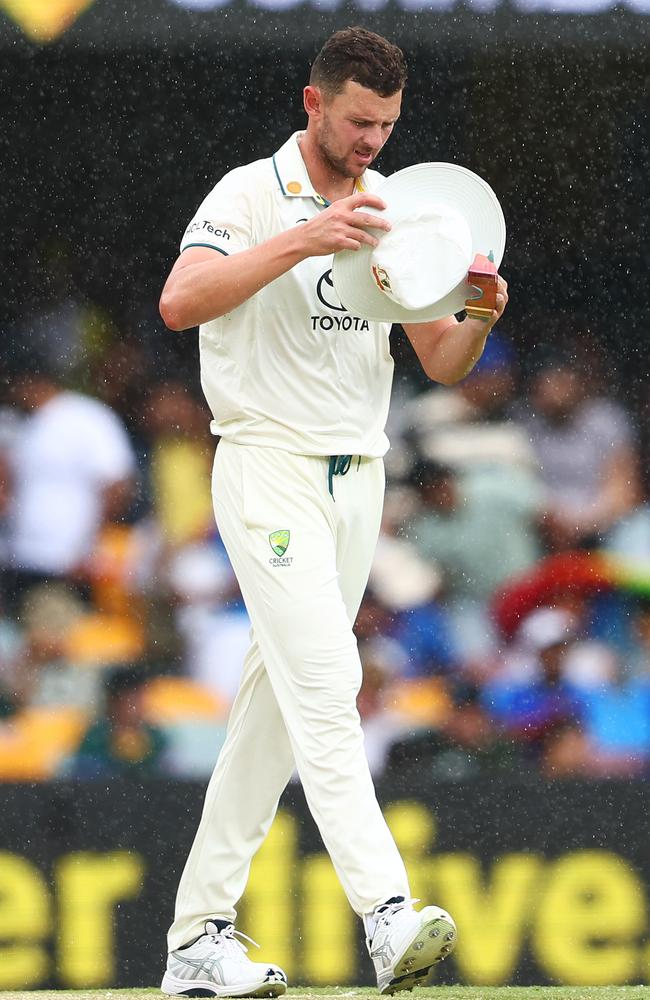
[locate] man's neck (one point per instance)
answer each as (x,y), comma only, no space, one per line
(325,180)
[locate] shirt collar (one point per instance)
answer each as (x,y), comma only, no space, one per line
(292,175)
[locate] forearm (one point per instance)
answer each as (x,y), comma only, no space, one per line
(203,291)
(449,357)
(448,350)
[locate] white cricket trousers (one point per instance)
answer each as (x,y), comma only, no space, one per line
(296,705)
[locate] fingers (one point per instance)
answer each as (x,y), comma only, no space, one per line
(371,221)
(357,226)
(357,218)
(364,198)
(360,236)
(502,296)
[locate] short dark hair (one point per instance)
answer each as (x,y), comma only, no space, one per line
(362,56)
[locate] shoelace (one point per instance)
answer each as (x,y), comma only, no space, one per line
(387,910)
(227,938)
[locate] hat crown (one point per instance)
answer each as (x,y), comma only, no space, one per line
(434,233)
(427,265)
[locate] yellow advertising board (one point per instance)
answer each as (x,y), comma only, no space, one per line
(547,898)
(44,20)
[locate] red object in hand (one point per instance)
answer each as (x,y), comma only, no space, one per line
(483,276)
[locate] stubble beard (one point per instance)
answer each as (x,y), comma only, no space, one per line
(336,164)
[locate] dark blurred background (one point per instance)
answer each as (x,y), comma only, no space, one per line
(505,634)
(113,133)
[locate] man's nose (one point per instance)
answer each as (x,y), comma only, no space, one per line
(372,136)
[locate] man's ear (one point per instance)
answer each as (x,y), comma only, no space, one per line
(313,100)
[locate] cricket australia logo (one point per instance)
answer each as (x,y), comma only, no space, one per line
(279,542)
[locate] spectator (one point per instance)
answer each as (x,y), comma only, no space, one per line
(383,663)
(180,463)
(536,705)
(407,586)
(473,423)
(399,605)
(9,426)
(639,659)
(72,467)
(614,741)
(42,672)
(120,743)
(586,453)
(209,615)
(466,743)
(478,525)
(396,708)
(46,697)
(5,479)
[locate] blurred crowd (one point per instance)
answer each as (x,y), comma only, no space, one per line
(506,625)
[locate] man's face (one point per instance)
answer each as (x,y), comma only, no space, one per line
(352,126)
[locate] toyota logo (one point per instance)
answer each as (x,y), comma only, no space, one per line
(326,293)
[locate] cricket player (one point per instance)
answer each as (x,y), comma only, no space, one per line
(299,390)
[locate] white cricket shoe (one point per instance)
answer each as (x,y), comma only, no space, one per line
(217,965)
(405,943)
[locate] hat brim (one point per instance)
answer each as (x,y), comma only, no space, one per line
(424,183)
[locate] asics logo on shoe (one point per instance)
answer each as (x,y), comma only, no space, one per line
(211,967)
(216,964)
(384,954)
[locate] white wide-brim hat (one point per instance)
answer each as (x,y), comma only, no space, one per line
(442,215)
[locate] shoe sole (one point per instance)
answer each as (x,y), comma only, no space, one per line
(204,988)
(433,941)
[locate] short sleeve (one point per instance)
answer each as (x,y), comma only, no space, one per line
(224,219)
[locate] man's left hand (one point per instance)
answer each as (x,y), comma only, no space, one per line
(485,323)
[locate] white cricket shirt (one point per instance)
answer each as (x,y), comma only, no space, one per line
(290,368)
(64,456)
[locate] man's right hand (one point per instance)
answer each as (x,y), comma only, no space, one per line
(203,284)
(339,227)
